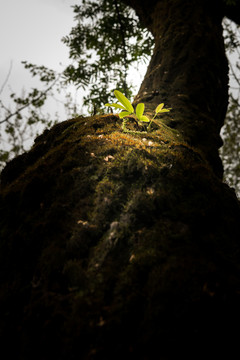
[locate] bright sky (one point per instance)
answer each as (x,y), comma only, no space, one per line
(32,30)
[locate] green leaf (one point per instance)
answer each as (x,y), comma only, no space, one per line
(139,110)
(159,108)
(124,101)
(164,110)
(123,114)
(117,106)
(144,118)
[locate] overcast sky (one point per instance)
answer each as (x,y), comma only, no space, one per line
(32,30)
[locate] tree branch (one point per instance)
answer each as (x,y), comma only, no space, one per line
(7,77)
(30,103)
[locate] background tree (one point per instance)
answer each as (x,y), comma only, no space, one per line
(230,151)
(106,41)
(26,117)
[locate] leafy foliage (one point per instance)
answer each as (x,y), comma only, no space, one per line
(230,152)
(106,41)
(21,122)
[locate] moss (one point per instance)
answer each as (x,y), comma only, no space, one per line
(112,243)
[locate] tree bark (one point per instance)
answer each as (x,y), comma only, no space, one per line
(188,70)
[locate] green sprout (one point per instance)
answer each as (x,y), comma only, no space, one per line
(127,110)
(159,109)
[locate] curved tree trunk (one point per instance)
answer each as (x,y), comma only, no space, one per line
(188,70)
(118,245)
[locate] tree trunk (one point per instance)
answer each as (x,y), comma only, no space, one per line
(118,245)
(188,71)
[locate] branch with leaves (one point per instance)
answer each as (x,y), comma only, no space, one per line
(106,41)
(25,117)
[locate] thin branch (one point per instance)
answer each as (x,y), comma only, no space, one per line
(234,74)
(26,105)
(7,77)
(4,107)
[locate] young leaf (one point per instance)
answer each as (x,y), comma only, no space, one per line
(139,110)
(159,108)
(124,101)
(123,114)
(144,118)
(117,106)
(164,110)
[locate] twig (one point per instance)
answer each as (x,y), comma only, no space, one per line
(7,77)
(26,105)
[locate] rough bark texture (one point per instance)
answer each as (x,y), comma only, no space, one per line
(117,246)
(188,70)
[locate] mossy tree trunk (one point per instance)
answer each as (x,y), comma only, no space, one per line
(188,70)
(119,245)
